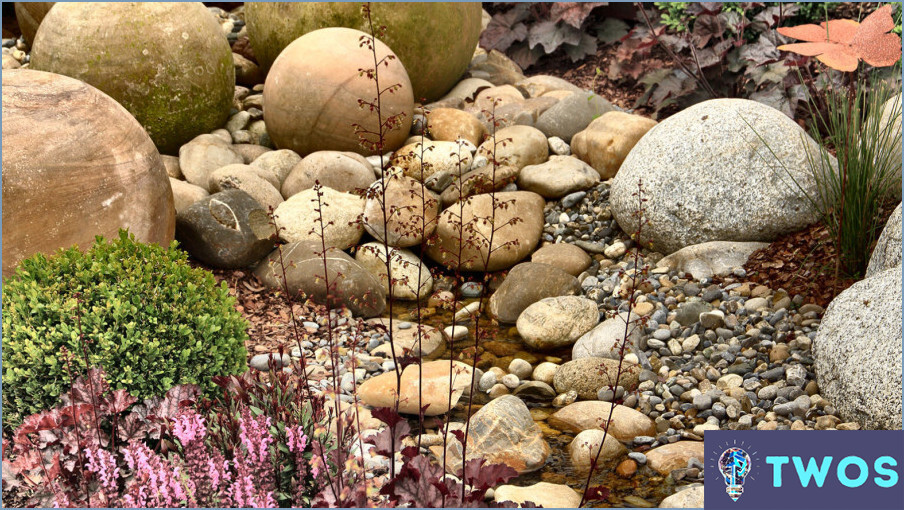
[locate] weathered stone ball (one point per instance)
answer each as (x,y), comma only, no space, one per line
(76,164)
(29,16)
(312,91)
(168,63)
(434,40)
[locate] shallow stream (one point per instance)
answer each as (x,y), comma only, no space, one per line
(501,344)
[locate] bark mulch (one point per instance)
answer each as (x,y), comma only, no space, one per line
(800,263)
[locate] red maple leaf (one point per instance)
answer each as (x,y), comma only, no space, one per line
(841,44)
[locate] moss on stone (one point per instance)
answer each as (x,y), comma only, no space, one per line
(169,65)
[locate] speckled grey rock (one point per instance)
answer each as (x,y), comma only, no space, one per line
(858,352)
(744,194)
(709,259)
(887,253)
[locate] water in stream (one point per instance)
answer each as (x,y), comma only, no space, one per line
(499,346)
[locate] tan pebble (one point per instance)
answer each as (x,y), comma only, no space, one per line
(626,468)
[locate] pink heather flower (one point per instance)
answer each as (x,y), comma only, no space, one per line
(156,483)
(254,481)
(189,427)
(103,464)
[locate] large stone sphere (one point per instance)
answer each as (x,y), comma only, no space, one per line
(434,40)
(168,63)
(311,94)
(75,165)
(29,16)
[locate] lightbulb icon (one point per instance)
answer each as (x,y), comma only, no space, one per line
(734,465)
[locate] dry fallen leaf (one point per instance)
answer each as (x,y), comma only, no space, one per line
(841,44)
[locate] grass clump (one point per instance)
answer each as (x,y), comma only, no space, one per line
(142,312)
(862,126)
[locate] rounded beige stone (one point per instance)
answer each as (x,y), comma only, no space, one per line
(75,165)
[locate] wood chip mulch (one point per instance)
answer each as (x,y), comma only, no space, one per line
(622,92)
(804,263)
(267,312)
(801,263)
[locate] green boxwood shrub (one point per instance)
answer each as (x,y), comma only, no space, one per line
(150,320)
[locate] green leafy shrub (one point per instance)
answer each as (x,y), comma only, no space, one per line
(148,319)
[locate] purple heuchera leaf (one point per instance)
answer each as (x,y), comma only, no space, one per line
(573,13)
(505,28)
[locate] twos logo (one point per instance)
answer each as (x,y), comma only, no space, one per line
(813,469)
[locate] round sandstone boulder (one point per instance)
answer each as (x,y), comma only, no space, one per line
(434,41)
(177,87)
(464,229)
(299,217)
(75,165)
(311,95)
(411,211)
(348,172)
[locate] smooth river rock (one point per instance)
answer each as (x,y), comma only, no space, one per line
(626,423)
(526,284)
(228,230)
(502,431)
(556,322)
(512,240)
(429,388)
(350,285)
(587,375)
